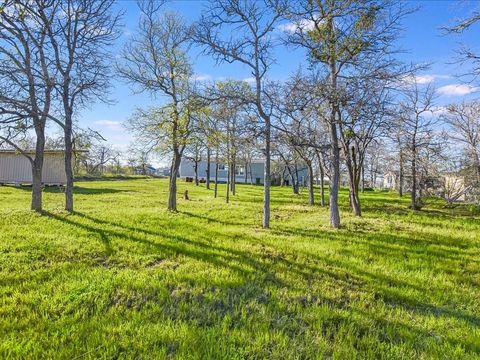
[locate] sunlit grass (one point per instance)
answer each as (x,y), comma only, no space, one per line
(123,278)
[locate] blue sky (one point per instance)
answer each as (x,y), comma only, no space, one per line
(422,40)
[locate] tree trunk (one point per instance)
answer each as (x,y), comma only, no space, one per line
(414,204)
(37,186)
(215,192)
(335,179)
(233,179)
(207,182)
(266,182)
(354,176)
(311,195)
(195,168)
(354,196)
(251,174)
(297,178)
(172,187)
(37,169)
(363,177)
(372,180)
(401,176)
(68,168)
(227,194)
(294,183)
(322,185)
(246,172)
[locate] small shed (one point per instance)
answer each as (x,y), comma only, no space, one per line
(15,168)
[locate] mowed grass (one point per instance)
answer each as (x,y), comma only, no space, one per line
(123,278)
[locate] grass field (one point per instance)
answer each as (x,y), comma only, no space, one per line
(122,278)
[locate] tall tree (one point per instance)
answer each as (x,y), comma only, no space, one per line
(81,35)
(241,32)
(464,120)
(26,81)
(365,117)
(347,39)
(156,61)
(417,122)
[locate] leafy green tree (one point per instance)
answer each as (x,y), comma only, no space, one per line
(346,40)
(156,61)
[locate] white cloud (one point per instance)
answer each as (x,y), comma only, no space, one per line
(439,110)
(303,25)
(249,80)
(424,79)
(457,90)
(110,124)
(436,111)
(201,77)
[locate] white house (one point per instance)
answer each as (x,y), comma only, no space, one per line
(253,173)
(390,179)
(15,168)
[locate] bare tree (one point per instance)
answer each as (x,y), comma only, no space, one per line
(156,61)
(396,135)
(417,122)
(194,151)
(250,42)
(365,117)
(466,53)
(98,156)
(464,119)
(297,123)
(375,161)
(81,34)
(26,81)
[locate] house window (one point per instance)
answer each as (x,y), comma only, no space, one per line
(221,166)
(239,170)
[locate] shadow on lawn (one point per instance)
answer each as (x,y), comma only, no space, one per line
(259,266)
(210,219)
(428,212)
(87,191)
(215,255)
(76,190)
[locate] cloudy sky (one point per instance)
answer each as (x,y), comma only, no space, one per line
(422,40)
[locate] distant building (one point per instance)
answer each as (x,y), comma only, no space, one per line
(253,173)
(390,180)
(15,168)
(145,170)
(164,171)
(450,186)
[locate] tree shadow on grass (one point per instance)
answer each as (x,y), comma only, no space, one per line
(426,212)
(212,219)
(201,251)
(386,285)
(258,268)
(227,257)
(78,190)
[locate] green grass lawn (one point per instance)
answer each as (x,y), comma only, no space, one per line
(123,278)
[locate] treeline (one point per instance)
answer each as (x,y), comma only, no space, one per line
(352,108)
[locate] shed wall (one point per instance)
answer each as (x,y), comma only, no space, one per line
(16,169)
